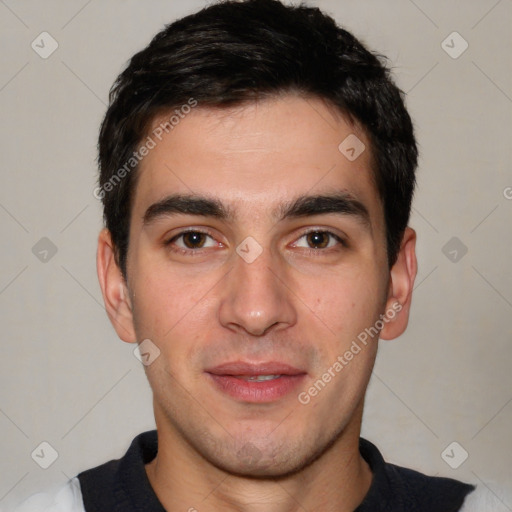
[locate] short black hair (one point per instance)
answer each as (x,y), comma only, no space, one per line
(234,52)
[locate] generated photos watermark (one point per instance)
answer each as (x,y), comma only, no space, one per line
(355,348)
(144,149)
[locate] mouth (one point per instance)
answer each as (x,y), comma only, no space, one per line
(256,383)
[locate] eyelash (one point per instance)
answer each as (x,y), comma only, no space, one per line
(316,252)
(180,250)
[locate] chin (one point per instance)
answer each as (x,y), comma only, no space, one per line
(261,470)
(250,462)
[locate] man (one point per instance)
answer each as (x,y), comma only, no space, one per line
(256,170)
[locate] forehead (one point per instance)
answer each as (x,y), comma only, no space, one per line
(259,154)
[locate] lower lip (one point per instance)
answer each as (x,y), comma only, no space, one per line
(257,392)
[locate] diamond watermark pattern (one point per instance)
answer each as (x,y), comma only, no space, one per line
(146,352)
(454,45)
(249,454)
(352,147)
(44,45)
(44,455)
(454,455)
(44,250)
(454,249)
(249,249)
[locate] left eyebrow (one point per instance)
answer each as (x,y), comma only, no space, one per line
(340,204)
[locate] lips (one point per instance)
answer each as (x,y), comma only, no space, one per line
(256,383)
(244,369)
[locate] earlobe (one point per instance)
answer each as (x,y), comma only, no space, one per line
(402,276)
(113,287)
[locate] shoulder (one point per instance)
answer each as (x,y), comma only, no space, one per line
(483,500)
(67,498)
(396,488)
(431,492)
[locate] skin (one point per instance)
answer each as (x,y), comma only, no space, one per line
(296,303)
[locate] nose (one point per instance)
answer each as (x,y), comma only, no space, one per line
(255,298)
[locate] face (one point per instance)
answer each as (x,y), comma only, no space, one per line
(257,248)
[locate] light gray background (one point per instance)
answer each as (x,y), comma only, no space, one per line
(68,380)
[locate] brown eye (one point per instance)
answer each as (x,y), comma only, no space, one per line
(318,239)
(194,239)
(193,242)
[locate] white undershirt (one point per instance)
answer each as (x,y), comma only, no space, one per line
(483,500)
(67,499)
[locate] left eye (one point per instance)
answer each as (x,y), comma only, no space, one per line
(193,240)
(318,240)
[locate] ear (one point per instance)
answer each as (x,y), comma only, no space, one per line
(402,276)
(114,289)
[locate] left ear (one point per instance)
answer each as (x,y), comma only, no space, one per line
(402,276)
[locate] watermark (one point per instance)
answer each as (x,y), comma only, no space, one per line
(44,45)
(44,455)
(507,192)
(146,352)
(249,249)
(44,250)
(351,147)
(144,149)
(454,249)
(343,360)
(454,455)
(249,454)
(454,45)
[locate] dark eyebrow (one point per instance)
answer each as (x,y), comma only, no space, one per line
(303,206)
(340,203)
(185,204)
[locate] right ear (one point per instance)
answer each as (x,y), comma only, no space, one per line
(114,289)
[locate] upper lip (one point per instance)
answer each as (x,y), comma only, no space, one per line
(265,368)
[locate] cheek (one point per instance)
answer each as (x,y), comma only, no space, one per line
(164,302)
(347,302)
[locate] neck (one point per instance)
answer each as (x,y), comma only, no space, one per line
(183,480)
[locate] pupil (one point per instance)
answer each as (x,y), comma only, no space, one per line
(193,240)
(318,240)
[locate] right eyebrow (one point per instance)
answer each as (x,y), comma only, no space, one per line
(185,204)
